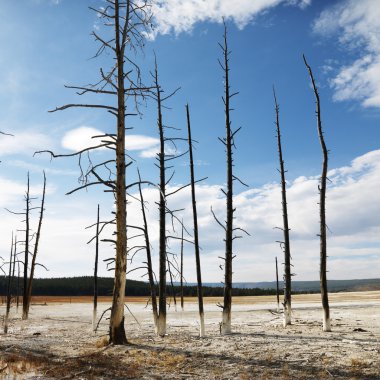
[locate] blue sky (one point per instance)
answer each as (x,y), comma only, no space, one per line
(47,44)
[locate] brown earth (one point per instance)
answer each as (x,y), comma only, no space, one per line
(57,342)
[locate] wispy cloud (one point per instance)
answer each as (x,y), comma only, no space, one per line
(82,137)
(353,206)
(357,25)
(24,143)
(181,15)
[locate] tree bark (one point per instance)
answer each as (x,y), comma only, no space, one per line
(152,284)
(277,288)
(227,299)
(117,331)
(181,274)
(94,312)
(322,209)
(9,296)
(26,256)
(286,229)
(33,265)
(161,326)
(195,223)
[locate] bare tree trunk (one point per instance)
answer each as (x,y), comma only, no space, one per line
(18,281)
(286,243)
(171,283)
(117,331)
(9,296)
(26,256)
(131,21)
(161,326)
(277,288)
(181,274)
(152,284)
(94,312)
(322,209)
(33,265)
(196,238)
(227,301)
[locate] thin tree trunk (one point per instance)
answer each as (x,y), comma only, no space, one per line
(8,306)
(277,288)
(227,301)
(18,282)
(152,284)
(181,281)
(171,283)
(94,312)
(322,209)
(161,326)
(196,238)
(117,331)
(33,265)
(286,243)
(26,256)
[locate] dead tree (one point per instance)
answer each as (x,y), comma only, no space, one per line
(9,294)
(322,208)
(229,229)
(286,243)
(94,311)
(277,289)
(165,265)
(181,274)
(195,225)
(153,293)
(35,251)
(161,322)
(129,22)
(26,253)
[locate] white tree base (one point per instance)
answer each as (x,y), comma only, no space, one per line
(225,326)
(161,326)
(326,324)
(287,316)
(202,326)
(94,318)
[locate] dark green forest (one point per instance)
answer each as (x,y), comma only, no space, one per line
(83,286)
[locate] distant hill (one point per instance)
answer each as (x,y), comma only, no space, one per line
(83,286)
(313,286)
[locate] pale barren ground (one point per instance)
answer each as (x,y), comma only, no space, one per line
(57,342)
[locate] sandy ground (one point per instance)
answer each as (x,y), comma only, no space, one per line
(57,342)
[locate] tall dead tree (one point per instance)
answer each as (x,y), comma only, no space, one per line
(163,157)
(285,228)
(9,294)
(161,322)
(195,226)
(35,251)
(149,266)
(129,22)
(322,208)
(26,253)
(277,288)
(181,274)
(94,311)
(229,229)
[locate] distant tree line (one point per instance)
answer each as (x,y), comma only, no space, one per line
(83,286)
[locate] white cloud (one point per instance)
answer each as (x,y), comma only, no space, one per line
(25,143)
(357,24)
(353,206)
(181,15)
(81,138)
